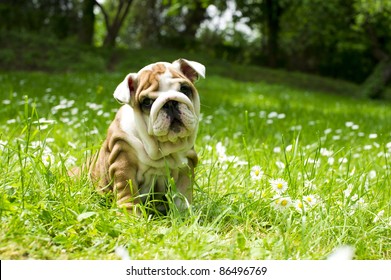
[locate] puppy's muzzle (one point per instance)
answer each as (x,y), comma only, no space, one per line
(172,116)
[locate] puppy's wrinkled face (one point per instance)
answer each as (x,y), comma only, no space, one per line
(168,101)
(165,104)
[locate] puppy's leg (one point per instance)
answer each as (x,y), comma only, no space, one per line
(185,187)
(122,170)
(185,181)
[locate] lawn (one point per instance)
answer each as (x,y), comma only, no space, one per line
(284,173)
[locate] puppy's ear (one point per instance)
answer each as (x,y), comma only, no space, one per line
(191,69)
(126,89)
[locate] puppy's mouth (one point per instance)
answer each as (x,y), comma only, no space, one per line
(176,126)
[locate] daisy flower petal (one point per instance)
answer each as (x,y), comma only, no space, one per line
(299,206)
(281,203)
(310,200)
(256,173)
(279,185)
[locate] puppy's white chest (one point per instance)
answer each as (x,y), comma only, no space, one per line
(155,180)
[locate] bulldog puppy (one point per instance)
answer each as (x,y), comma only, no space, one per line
(151,140)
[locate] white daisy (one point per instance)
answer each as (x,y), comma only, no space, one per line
(343,160)
(325,152)
(378,216)
(280,164)
(309,184)
(372,174)
(3,144)
(349,124)
(277,150)
(281,203)
(328,131)
(310,200)
(47,159)
(256,173)
(285,202)
(342,253)
(122,253)
(279,185)
(221,152)
(361,202)
(354,197)
(299,206)
(348,190)
(367,147)
(262,114)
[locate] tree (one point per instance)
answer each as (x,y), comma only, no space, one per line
(272,11)
(192,19)
(86,33)
(265,15)
(373,18)
(316,37)
(144,25)
(113,26)
(344,39)
(53,17)
(172,23)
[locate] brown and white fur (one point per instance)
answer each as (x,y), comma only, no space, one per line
(151,139)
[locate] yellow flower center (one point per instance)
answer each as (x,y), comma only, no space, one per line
(300,205)
(309,199)
(284,202)
(257,172)
(279,186)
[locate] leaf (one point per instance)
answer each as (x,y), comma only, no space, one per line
(85,215)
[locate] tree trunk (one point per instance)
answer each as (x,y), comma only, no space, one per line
(113,28)
(375,84)
(192,22)
(272,11)
(86,34)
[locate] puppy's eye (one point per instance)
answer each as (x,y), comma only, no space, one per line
(186,89)
(147,103)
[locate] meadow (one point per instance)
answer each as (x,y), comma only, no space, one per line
(284,173)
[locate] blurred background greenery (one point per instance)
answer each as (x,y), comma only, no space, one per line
(347,40)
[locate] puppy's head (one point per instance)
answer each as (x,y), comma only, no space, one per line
(165,96)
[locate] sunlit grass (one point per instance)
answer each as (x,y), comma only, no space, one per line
(331,156)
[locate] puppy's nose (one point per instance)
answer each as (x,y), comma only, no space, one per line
(171,105)
(172,109)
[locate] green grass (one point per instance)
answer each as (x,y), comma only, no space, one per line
(336,149)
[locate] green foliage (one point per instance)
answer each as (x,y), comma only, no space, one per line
(332,148)
(29,51)
(59,19)
(338,39)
